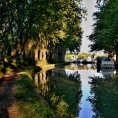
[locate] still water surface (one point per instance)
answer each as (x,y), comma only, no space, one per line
(79,91)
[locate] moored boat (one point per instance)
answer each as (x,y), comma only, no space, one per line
(107,63)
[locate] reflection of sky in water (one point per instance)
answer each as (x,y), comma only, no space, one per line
(86,111)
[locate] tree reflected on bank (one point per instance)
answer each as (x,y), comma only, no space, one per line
(61,90)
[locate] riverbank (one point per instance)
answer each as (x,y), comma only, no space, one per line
(12,100)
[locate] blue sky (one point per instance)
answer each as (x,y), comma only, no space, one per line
(86,25)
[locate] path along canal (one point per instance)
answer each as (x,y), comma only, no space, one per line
(79,91)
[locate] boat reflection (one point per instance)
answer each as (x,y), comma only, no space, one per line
(107,72)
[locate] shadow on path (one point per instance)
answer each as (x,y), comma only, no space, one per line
(7,99)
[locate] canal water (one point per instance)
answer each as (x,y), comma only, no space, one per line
(79,91)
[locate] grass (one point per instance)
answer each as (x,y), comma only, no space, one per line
(30,103)
(45,66)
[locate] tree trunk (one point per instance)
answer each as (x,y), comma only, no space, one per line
(36,54)
(59,54)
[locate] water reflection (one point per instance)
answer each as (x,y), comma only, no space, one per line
(80,66)
(104,102)
(85,105)
(61,90)
(79,91)
(107,72)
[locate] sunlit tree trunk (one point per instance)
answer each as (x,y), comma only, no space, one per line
(36,54)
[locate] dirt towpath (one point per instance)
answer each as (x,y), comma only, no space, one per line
(8,106)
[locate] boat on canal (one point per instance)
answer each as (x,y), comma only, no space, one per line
(107,64)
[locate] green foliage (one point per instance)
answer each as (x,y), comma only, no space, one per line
(80,56)
(104,35)
(84,55)
(69,56)
(47,23)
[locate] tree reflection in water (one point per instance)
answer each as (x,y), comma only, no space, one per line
(62,91)
(105,99)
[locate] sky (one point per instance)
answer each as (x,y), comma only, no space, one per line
(87,25)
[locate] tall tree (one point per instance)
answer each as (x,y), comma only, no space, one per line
(104,35)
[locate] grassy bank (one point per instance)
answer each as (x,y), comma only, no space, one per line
(31,104)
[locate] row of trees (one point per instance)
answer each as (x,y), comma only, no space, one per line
(105,33)
(40,29)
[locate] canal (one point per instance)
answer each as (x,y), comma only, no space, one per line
(79,91)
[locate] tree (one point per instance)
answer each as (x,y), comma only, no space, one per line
(47,26)
(104,35)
